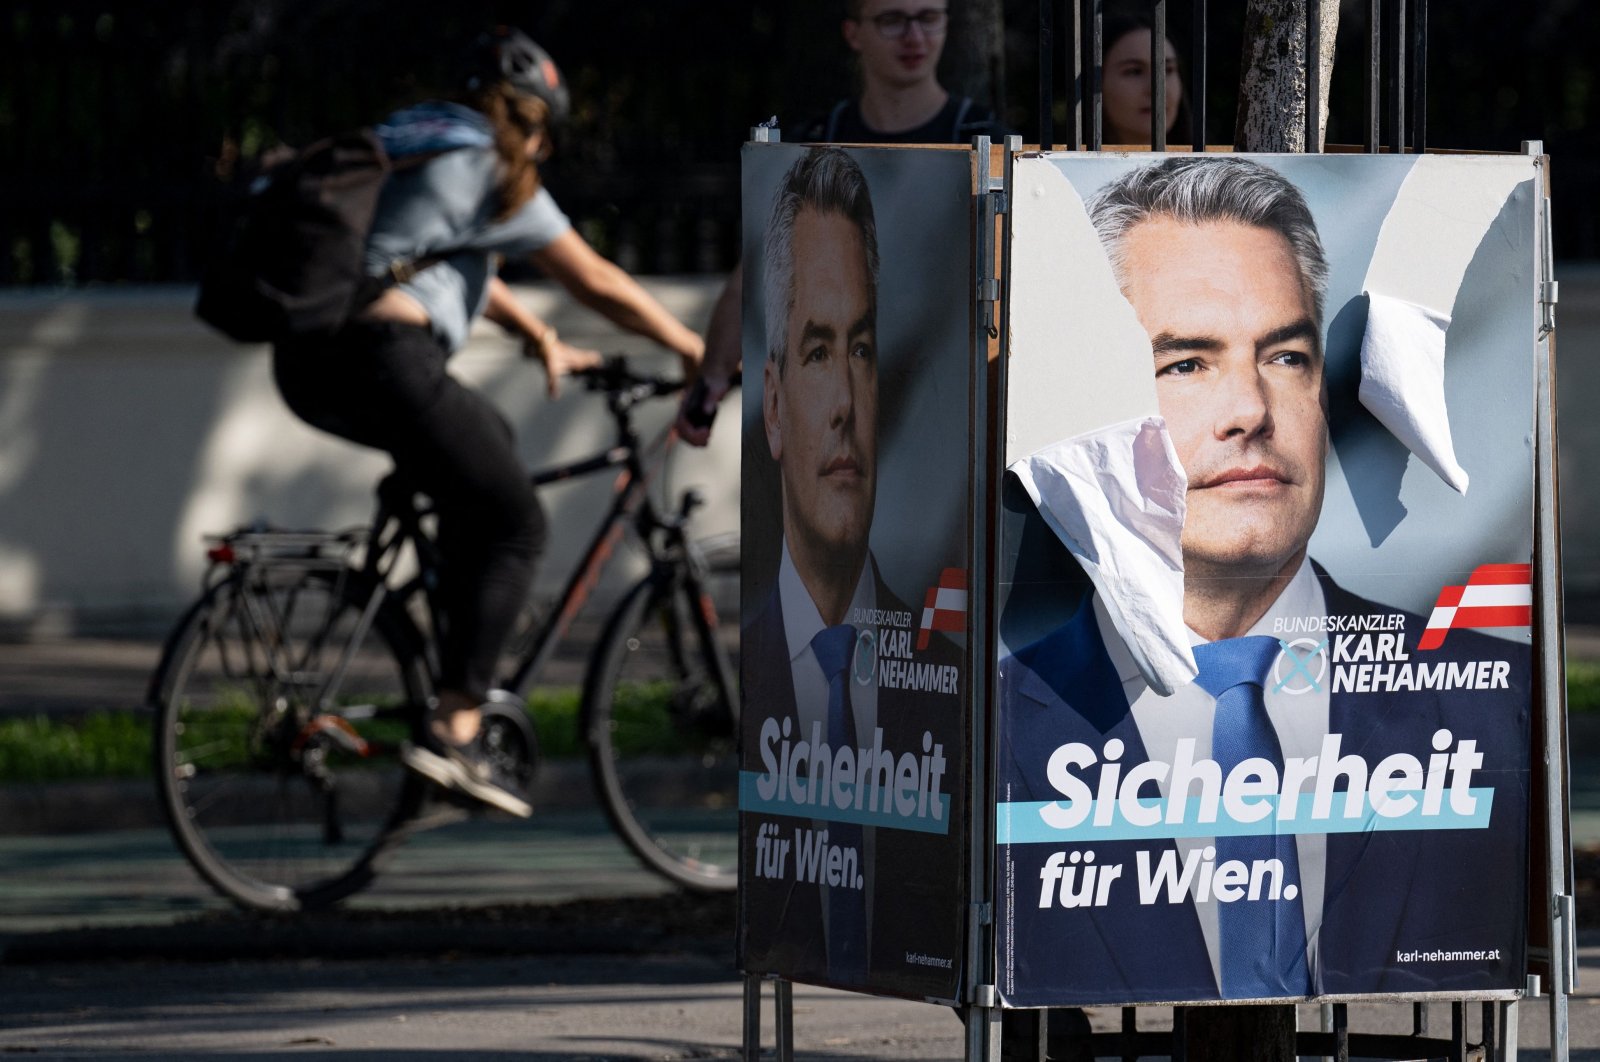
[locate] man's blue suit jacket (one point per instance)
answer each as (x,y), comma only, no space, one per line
(918,879)
(1385,892)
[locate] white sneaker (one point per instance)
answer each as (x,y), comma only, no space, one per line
(462,770)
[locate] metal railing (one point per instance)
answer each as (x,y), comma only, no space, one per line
(1396,68)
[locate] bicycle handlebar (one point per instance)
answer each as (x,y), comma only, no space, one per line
(615,377)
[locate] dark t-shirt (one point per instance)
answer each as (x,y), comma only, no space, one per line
(958,121)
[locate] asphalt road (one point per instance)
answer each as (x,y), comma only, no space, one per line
(484,940)
(676,1005)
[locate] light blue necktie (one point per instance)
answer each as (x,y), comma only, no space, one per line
(847,913)
(1263,942)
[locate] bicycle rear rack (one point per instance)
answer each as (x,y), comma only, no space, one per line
(301,550)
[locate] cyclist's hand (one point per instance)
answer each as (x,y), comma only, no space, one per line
(699,407)
(559,358)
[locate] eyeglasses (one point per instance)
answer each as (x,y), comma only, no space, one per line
(896,24)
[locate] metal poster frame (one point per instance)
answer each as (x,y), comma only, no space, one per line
(982,338)
(1398,72)
(1498,1038)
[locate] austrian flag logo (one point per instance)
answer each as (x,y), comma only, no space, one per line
(1497,595)
(945,607)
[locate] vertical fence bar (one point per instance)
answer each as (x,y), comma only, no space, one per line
(1313,76)
(1095,71)
(1397,80)
(1158,75)
(1075,137)
(1197,76)
(1047,85)
(1374,54)
(1419,78)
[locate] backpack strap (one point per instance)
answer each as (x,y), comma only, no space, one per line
(402,270)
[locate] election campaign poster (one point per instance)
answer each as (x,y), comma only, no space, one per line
(1266,544)
(857,335)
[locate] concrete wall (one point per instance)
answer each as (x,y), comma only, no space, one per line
(127,431)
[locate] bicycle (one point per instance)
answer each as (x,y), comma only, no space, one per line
(284,693)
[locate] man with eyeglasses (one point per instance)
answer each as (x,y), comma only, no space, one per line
(898,43)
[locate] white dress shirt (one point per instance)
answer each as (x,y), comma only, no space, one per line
(801,623)
(1300,720)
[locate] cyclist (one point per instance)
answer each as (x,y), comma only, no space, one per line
(470,193)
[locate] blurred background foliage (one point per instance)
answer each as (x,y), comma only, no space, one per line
(123,125)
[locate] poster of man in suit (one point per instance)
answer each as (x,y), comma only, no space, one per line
(857,340)
(1264,662)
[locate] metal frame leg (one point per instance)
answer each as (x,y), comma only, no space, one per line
(752,1019)
(783,1022)
(783,1019)
(983,1034)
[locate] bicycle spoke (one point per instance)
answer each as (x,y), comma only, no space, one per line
(278,798)
(662,741)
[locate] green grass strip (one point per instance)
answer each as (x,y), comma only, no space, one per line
(117,744)
(102,745)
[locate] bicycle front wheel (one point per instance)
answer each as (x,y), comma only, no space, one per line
(660,719)
(280,715)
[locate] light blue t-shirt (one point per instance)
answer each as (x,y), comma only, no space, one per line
(448,204)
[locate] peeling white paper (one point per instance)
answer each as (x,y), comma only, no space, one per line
(1116,498)
(1402,381)
(1095,457)
(1065,297)
(1402,354)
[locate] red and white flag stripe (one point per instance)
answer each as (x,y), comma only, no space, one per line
(1497,595)
(945,607)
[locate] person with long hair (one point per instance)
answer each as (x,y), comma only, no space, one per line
(1126,99)
(464,193)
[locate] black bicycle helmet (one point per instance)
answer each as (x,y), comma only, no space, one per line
(507,54)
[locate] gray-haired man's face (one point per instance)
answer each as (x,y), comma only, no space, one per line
(1239,381)
(821,408)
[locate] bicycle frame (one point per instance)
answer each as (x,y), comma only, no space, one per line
(399,520)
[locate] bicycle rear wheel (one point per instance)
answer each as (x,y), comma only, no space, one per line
(278,733)
(661,723)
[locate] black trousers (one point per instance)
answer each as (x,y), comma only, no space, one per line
(385,385)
